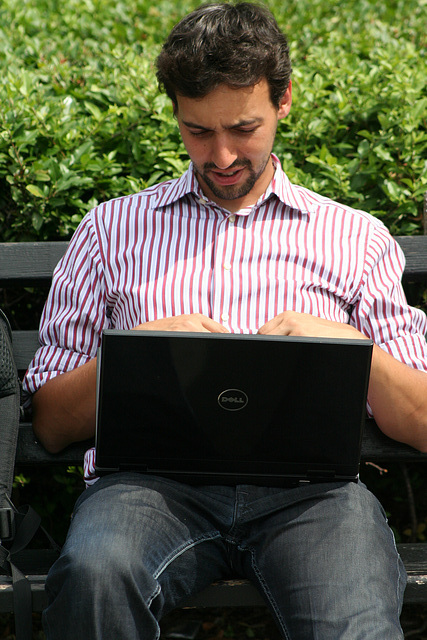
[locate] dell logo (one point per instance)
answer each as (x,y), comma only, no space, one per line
(232,400)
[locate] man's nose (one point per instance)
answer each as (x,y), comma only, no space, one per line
(223,152)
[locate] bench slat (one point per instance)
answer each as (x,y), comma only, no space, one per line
(415,250)
(28,262)
(30,452)
(25,344)
(225,593)
(32,262)
(375,447)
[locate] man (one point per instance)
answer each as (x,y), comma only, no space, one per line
(230,246)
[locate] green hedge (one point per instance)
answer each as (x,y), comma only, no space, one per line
(82,121)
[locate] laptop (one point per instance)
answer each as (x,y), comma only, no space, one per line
(207,408)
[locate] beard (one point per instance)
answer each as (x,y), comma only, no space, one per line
(235,191)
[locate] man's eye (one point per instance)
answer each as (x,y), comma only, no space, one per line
(252,130)
(198,133)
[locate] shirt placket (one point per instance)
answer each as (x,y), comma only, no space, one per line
(222,272)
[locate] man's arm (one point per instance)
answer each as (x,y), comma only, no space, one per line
(64,407)
(398,398)
(397,393)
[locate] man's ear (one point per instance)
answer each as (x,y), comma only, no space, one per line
(285,102)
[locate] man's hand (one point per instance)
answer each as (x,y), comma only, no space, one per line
(189,322)
(291,323)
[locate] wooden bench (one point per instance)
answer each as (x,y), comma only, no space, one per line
(31,265)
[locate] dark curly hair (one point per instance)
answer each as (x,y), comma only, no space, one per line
(233,44)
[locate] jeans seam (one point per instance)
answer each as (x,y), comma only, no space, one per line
(400,574)
(150,601)
(182,549)
(154,595)
(399,567)
(265,589)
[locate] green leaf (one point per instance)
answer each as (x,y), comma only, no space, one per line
(35,190)
(93,109)
(383,153)
(392,189)
(363,148)
(37,221)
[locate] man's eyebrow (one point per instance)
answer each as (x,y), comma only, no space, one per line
(237,125)
(193,125)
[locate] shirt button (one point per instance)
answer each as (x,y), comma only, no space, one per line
(227,266)
(232,218)
(224,317)
(203,201)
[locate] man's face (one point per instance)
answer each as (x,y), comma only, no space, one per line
(229,136)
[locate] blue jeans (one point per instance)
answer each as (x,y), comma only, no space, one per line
(322,555)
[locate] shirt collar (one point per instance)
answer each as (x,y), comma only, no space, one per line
(174,190)
(280,186)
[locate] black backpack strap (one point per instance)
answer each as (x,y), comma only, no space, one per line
(22,604)
(7,524)
(27,524)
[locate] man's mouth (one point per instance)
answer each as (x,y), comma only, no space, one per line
(227,177)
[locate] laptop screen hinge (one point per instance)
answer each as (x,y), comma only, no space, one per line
(327,474)
(132,466)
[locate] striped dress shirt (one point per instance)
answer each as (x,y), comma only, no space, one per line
(168,251)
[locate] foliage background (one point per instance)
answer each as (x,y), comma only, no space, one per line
(82,121)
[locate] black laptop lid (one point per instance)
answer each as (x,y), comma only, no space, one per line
(228,408)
